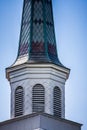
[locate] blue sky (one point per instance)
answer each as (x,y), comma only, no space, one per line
(70,17)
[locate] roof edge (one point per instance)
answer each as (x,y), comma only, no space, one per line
(39,114)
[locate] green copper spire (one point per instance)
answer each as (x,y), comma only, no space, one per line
(37,37)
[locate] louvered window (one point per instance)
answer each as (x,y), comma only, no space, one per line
(57,102)
(19,95)
(38,98)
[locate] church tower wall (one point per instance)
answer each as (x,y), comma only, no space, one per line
(49,76)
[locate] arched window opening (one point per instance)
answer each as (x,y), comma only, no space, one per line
(19,97)
(38,98)
(57,102)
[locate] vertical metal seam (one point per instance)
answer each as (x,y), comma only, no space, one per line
(44,27)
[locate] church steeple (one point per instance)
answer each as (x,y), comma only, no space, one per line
(37,77)
(37,37)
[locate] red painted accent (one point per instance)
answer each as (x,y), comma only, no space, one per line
(23,49)
(38,47)
(51,48)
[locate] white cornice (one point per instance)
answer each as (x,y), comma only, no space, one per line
(37,65)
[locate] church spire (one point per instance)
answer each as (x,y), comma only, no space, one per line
(37,37)
(37,78)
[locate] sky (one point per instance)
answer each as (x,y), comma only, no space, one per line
(70,18)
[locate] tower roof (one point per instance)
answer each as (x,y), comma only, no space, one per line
(37,36)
